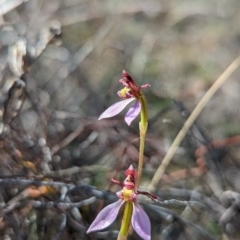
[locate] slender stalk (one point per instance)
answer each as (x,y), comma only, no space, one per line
(120,237)
(143,129)
(144,114)
(126,221)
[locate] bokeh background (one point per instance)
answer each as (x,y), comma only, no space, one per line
(179,47)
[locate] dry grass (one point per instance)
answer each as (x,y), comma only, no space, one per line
(56,158)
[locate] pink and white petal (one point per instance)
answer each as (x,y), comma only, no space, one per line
(133,112)
(106,217)
(140,222)
(115,108)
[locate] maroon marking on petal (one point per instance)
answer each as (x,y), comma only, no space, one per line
(129,82)
(152,196)
(117,182)
(131,171)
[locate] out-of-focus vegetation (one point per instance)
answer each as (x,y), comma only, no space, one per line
(60,62)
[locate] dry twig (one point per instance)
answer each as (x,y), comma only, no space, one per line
(195,113)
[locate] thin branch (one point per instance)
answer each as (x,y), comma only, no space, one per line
(62,205)
(198,229)
(180,203)
(25,182)
(67,140)
(197,110)
(196,196)
(75,169)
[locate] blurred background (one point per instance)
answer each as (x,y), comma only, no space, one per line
(60,62)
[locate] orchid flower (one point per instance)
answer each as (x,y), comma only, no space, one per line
(139,219)
(130,93)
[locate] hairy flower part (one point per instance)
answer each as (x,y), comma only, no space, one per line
(140,221)
(130,93)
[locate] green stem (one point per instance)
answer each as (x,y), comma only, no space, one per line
(143,129)
(120,237)
(144,114)
(126,221)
